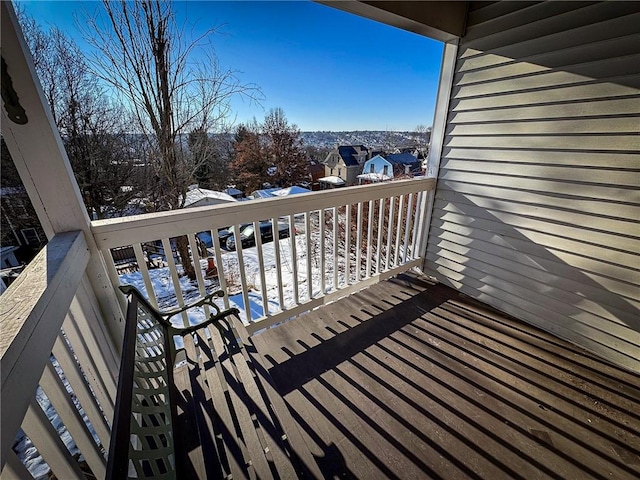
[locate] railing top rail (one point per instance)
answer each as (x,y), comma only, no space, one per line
(117,232)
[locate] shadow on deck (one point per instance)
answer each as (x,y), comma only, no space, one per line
(412,380)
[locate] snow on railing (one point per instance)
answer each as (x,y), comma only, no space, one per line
(327,245)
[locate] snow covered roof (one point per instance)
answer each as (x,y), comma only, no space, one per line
(197,194)
(374,177)
(332,179)
(290,191)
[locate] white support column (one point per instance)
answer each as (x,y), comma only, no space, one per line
(443,98)
(40,158)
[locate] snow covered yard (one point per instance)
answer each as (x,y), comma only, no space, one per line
(164,288)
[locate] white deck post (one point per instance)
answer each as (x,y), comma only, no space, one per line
(443,98)
(40,158)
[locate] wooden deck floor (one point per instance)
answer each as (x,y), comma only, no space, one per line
(412,380)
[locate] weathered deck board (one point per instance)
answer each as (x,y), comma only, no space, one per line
(412,380)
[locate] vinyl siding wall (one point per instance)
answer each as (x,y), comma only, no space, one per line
(538,199)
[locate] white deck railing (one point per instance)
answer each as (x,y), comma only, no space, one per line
(58,371)
(54,361)
(341,240)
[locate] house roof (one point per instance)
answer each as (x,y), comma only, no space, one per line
(196,194)
(402,158)
(349,153)
(374,177)
(332,179)
(290,191)
(264,193)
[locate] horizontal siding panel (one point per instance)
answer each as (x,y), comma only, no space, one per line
(629,124)
(628,195)
(579,159)
(551,261)
(562,301)
(629,178)
(539,243)
(506,223)
(493,66)
(532,16)
(612,143)
(537,209)
(546,79)
(540,317)
(494,10)
(600,110)
(604,90)
(576,28)
(589,221)
(451,192)
(582,262)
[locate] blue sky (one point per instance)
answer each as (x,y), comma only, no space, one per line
(328,70)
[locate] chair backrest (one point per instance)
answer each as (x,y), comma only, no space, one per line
(143,442)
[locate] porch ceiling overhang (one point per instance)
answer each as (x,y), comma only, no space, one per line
(440,20)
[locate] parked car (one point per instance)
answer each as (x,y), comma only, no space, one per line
(248,237)
(223,234)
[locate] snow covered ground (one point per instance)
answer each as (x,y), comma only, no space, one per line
(164,288)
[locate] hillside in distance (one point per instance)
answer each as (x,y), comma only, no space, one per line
(368,138)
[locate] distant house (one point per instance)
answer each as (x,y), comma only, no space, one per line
(234,192)
(201,197)
(295,190)
(263,193)
(404,164)
(346,163)
(380,169)
(376,169)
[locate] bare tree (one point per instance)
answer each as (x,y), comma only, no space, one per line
(285,149)
(92,128)
(146,57)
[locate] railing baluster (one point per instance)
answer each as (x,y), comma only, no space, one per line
(369,240)
(81,389)
(390,230)
(168,254)
(14,469)
(323,273)
(243,273)
(220,266)
(307,235)
(144,271)
(335,248)
(381,203)
(49,444)
(417,220)
(359,242)
(195,256)
(61,401)
(294,258)
(263,278)
(276,226)
(347,246)
(113,276)
(398,231)
(407,228)
(82,345)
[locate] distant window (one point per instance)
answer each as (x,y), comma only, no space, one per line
(332,171)
(339,172)
(30,236)
(372,168)
(385,170)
